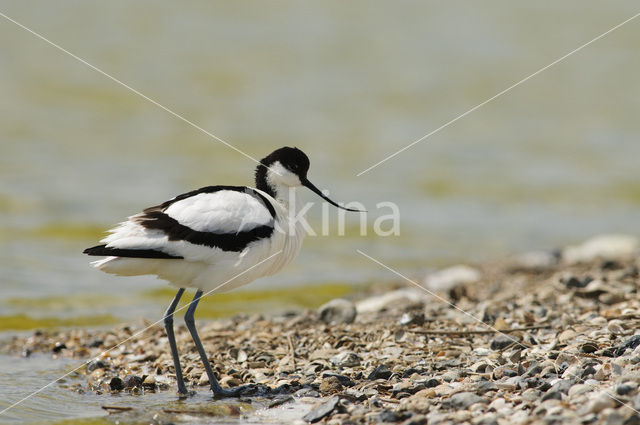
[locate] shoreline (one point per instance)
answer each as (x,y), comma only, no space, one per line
(558,344)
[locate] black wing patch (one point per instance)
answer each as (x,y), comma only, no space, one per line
(102,250)
(154,218)
(236,242)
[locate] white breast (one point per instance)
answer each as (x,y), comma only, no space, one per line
(282,247)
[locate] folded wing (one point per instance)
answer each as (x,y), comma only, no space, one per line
(192,225)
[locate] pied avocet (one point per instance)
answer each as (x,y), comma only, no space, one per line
(213,239)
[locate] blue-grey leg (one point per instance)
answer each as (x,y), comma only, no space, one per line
(191,325)
(168,325)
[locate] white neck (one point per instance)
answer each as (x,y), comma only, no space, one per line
(282,182)
(284,194)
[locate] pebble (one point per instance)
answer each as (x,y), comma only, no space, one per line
(615,327)
(449,376)
(322,410)
(501,342)
(575,281)
(634,419)
(615,418)
(486,419)
(602,372)
(280,400)
(592,383)
(432,382)
(398,299)
(567,335)
(552,395)
(460,416)
(307,392)
(59,346)
(204,380)
(95,343)
(562,385)
(533,370)
(511,384)
(337,311)
(447,279)
(547,407)
(536,261)
(242,356)
(416,420)
(388,416)
(405,386)
(481,351)
(483,387)
(578,389)
(131,381)
(629,344)
(227,381)
(149,381)
(444,390)
(330,385)
(412,318)
(379,372)
(589,347)
(95,364)
(626,388)
(609,247)
(346,359)
(116,384)
(344,380)
(464,400)
(498,404)
(574,371)
(531,395)
(600,401)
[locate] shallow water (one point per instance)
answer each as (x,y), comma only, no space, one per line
(551,162)
(59,405)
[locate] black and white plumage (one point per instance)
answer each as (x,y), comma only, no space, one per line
(213,239)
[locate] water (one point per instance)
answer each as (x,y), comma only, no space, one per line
(60,405)
(551,162)
(54,404)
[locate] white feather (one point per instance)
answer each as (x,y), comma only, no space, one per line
(205,267)
(225,211)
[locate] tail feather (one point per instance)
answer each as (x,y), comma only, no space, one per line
(103,250)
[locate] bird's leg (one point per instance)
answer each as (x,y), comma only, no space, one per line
(191,325)
(168,325)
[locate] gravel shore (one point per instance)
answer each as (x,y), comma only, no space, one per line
(545,337)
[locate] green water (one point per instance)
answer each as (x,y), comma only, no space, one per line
(551,162)
(55,312)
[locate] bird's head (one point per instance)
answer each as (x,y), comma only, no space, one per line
(287,167)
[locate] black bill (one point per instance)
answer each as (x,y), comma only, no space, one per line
(306,183)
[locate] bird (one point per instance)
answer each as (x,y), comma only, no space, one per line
(213,239)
